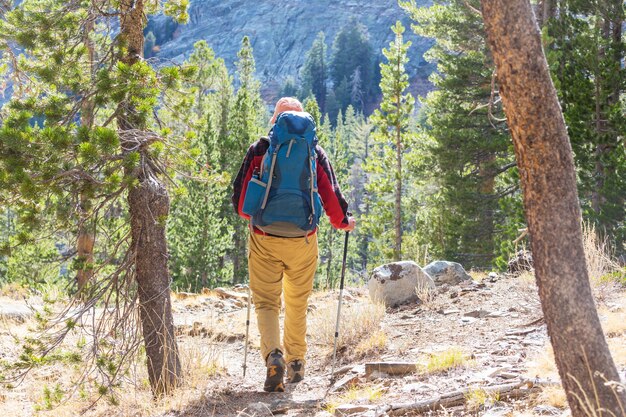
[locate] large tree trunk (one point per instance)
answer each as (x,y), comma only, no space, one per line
(149,207)
(548,181)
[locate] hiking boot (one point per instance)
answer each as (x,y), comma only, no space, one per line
(295,371)
(275,372)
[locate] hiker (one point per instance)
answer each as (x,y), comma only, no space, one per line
(283,211)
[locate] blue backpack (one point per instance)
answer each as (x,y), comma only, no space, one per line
(285,189)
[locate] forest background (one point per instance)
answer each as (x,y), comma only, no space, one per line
(428,167)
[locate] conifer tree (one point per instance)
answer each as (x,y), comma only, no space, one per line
(351,53)
(393,138)
(247,117)
(585,51)
(315,71)
(475,211)
(51,163)
(199,233)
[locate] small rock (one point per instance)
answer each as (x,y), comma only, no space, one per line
(259,409)
(477,313)
(614,308)
(498,412)
(468,320)
(419,388)
(344,382)
(493,277)
(509,375)
(546,410)
(451,311)
(347,296)
(443,288)
(494,372)
(496,314)
(532,342)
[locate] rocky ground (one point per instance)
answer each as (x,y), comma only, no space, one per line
(479,348)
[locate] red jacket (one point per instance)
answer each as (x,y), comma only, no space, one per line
(334,203)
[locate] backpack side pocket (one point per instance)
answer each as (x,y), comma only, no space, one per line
(254,196)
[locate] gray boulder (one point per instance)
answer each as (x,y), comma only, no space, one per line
(15,312)
(398,283)
(444,272)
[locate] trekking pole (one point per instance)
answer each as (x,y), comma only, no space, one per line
(245,348)
(343,274)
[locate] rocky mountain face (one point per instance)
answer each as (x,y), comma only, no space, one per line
(282,32)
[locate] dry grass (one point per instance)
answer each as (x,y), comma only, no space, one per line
(50,388)
(528,277)
(553,396)
(373,344)
(426,296)
(359,326)
(14,291)
(542,365)
(598,255)
(201,360)
(477,398)
(356,395)
(478,276)
(448,359)
(612,321)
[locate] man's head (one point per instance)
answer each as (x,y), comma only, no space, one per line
(286,104)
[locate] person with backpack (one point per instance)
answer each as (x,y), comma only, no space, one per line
(284,182)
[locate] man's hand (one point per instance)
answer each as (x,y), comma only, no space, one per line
(351,224)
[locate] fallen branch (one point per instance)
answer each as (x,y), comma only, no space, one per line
(518,389)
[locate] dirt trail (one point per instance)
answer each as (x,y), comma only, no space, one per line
(493,328)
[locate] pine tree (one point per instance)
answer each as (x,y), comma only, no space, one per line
(199,233)
(474,212)
(393,137)
(351,52)
(247,117)
(50,163)
(150,45)
(585,49)
(315,71)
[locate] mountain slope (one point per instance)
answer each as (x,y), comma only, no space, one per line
(282,32)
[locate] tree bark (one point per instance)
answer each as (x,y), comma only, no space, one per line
(548,181)
(149,207)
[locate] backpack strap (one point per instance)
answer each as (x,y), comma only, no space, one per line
(311,162)
(269,181)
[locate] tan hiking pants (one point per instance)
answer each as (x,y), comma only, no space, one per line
(270,259)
